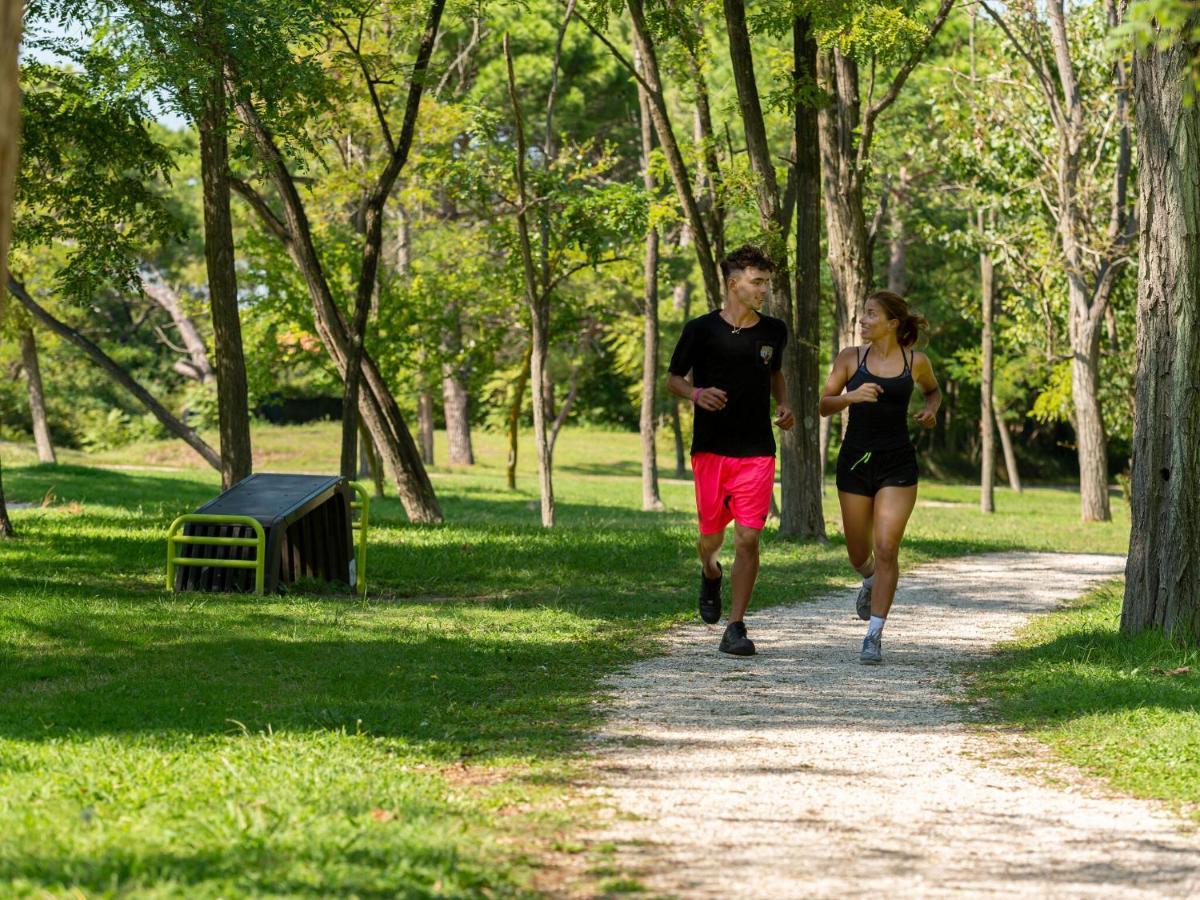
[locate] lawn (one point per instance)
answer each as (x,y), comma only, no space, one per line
(1125,709)
(419,743)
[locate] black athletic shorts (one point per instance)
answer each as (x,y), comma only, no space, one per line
(866,471)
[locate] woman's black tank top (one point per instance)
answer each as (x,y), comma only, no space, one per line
(882,425)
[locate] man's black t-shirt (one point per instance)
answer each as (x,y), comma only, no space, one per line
(741,365)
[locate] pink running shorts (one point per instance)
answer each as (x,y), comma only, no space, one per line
(732,489)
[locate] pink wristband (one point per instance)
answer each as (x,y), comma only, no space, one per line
(696,394)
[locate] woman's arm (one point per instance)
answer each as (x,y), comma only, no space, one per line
(833,400)
(923,375)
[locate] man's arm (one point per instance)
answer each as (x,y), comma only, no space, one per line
(709,398)
(923,375)
(783,412)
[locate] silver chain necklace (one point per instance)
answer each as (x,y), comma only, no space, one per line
(737,329)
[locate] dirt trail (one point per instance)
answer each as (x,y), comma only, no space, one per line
(801,773)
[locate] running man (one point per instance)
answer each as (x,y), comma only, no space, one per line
(877,465)
(734,354)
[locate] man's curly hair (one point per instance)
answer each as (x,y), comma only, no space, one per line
(746,256)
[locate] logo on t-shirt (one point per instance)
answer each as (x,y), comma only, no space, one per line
(765,352)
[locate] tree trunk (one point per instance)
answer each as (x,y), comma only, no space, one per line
(514,416)
(196,366)
(987,448)
(849,259)
(644,44)
(538,299)
(369,465)
(1010,458)
(1162,575)
(425,424)
(1090,440)
(898,235)
(119,375)
(10,133)
(232,404)
(376,404)
(455,399)
(810,451)
(37,398)
(651,500)
(683,303)
(10,126)
(800,513)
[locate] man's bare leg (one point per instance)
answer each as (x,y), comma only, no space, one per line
(708,546)
(745,569)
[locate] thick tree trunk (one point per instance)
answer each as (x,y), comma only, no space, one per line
(119,375)
(10,131)
(455,399)
(1010,457)
(37,397)
(1162,575)
(683,303)
(10,124)
(232,404)
(196,366)
(987,448)
(800,514)
(425,424)
(809,516)
(1090,441)
(850,265)
(647,419)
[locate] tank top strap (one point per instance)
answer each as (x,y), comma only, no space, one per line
(862,362)
(907,362)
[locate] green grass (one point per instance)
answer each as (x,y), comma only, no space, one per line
(419,743)
(1104,702)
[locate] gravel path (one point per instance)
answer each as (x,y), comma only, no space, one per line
(801,773)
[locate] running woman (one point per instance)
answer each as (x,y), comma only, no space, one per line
(877,465)
(734,355)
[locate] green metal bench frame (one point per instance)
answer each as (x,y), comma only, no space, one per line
(175,537)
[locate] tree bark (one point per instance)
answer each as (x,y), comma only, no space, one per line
(1162,575)
(376,404)
(538,301)
(119,375)
(10,126)
(232,403)
(514,416)
(644,45)
(37,397)
(455,398)
(425,424)
(810,462)
(987,448)
(1010,457)
(196,366)
(369,465)
(10,132)
(898,235)
(372,220)
(796,463)
(651,500)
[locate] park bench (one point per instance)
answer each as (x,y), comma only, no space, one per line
(270,530)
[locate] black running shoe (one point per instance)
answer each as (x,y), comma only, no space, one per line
(735,642)
(710,596)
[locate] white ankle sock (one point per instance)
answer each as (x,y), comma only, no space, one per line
(869,581)
(875,627)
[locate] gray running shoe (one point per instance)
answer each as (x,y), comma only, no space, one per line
(734,641)
(863,603)
(872,651)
